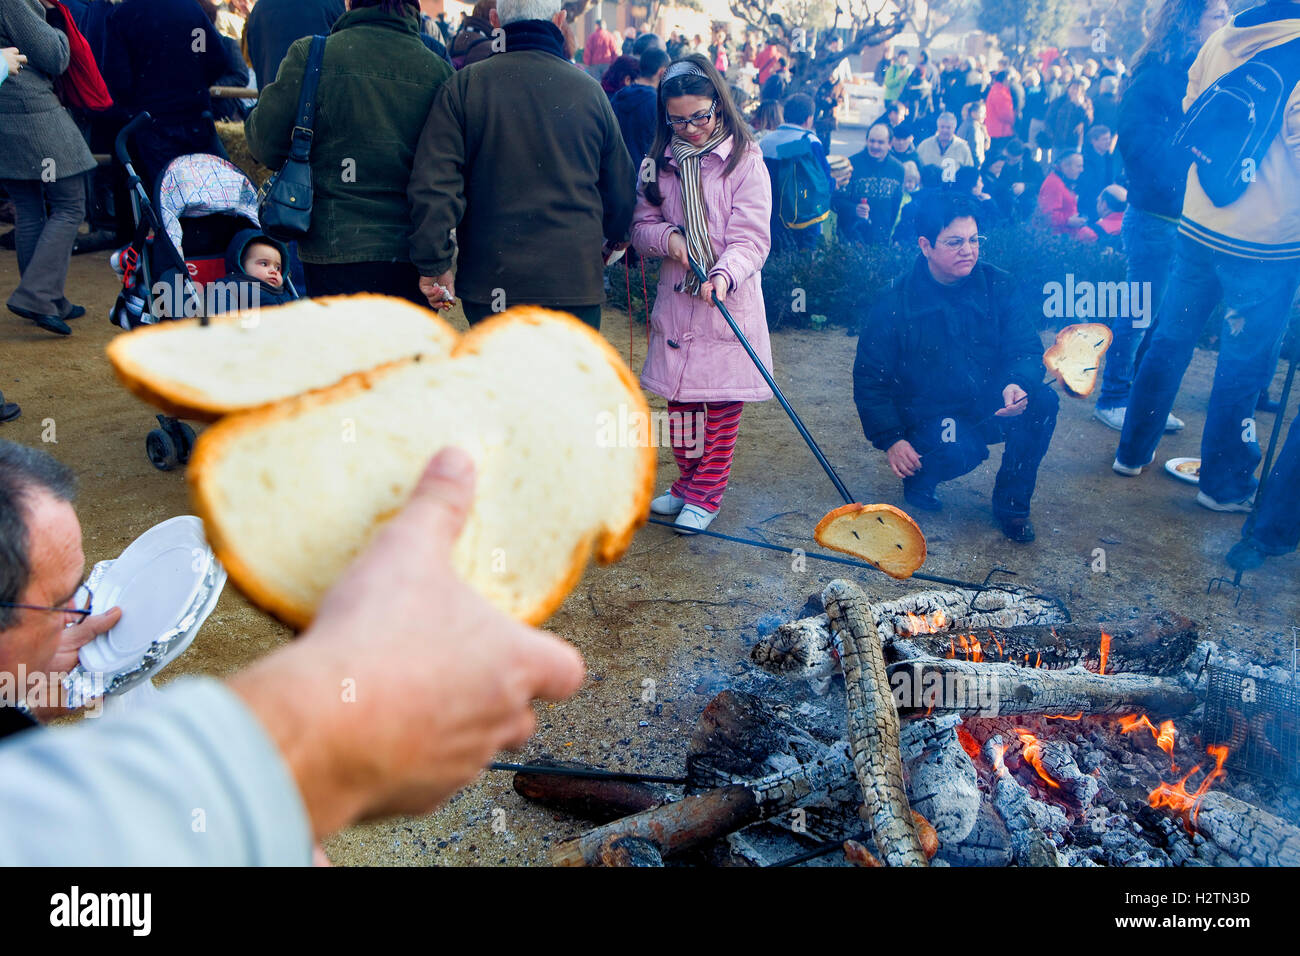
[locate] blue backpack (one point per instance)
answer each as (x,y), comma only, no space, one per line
(801,191)
(1230,126)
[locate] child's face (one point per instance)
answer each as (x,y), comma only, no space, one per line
(262,262)
(693,118)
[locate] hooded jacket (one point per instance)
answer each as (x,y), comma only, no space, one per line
(635,106)
(927,351)
(1264,222)
(235,289)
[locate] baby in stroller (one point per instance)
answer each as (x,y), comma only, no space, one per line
(255,276)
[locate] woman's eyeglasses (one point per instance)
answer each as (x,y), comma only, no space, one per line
(81,602)
(698,120)
(956,244)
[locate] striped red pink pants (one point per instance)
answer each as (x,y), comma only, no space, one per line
(704,461)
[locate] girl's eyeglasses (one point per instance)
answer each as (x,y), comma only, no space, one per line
(81,602)
(698,120)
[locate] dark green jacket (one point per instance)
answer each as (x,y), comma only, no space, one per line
(377,83)
(522,155)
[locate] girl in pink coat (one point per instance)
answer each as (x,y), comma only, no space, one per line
(709,193)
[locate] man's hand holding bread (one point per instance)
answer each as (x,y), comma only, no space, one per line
(442,680)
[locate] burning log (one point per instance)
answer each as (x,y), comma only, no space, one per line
(941,778)
(1246,832)
(700,818)
(873,726)
(1059,766)
(1031,824)
(991,690)
(591,799)
(1158,644)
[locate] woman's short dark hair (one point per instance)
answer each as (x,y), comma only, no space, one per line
(935,213)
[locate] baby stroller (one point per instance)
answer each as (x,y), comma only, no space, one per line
(179,246)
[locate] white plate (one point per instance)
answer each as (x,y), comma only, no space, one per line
(1172,464)
(166,583)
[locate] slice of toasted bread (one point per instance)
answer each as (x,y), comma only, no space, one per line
(878,534)
(245,359)
(1075,357)
(290,493)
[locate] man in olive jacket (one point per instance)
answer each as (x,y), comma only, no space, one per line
(522,155)
(377,83)
(948,363)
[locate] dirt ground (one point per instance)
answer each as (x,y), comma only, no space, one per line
(671,624)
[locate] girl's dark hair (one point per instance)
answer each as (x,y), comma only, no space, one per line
(1172,35)
(692,84)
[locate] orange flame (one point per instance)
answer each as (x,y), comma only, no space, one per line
(1001,650)
(968,743)
(1105,652)
(922,624)
(1131,723)
(998,765)
(1165,741)
(1033,753)
(976,649)
(1175,795)
(1078,716)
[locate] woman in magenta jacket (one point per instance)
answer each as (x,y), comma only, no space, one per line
(710,193)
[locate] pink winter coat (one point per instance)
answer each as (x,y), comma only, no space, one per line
(694,356)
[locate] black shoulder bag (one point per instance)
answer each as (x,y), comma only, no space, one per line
(284,201)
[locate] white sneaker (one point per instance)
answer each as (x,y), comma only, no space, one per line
(1173,424)
(692,519)
(1125,470)
(667,504)
(1239,507)
(1110,417)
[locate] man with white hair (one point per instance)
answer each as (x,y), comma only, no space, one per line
(523,157)
(945,145)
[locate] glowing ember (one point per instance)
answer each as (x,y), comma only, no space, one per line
(968,743)
(1105,651)
(1078,716)
(1033,753)
(1175,795)
(998,765)
(931,624)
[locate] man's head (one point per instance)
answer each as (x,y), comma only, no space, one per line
(896,113)
(878,141)
(901,58)
(646,41)
(901,138)
(1101,139)
(512,11)
(948,236)
(1109,84)
(945,127)
(1075,91)
(1069,165)
(653,64)
(1112,199)
(262,261)
(834,44)
(798,109)
(41,562)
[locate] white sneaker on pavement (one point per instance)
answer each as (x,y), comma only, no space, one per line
(667,504)
(1173,424)
(1239,507)
(693,518)
(1110,417)
(1125,470)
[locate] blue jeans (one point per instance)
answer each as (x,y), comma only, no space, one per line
(1149,243)
(1027,436)
(1257,296)
(1277,519)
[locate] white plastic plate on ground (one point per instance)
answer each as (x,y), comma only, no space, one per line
(166,582)
(1185,469)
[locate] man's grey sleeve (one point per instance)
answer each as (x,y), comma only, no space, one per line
(191,781)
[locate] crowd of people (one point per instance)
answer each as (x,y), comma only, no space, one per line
(484,167)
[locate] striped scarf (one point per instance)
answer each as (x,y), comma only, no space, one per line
(697,221)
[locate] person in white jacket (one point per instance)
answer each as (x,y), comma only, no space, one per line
(251,770)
